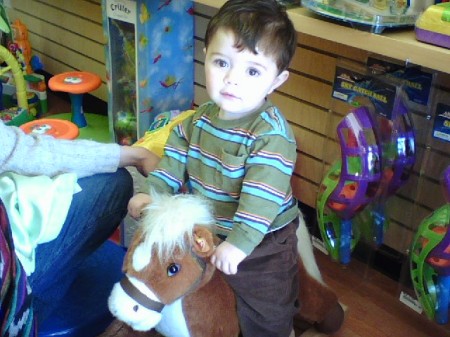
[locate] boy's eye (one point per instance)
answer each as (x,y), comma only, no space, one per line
(253,72)
(220,63)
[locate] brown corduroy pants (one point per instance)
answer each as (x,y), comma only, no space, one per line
(267,285)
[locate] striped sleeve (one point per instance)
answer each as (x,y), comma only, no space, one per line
(170,175)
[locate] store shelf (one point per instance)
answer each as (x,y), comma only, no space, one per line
(399,44)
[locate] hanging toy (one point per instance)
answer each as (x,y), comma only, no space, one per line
(398,154)
(430,260)
(350,184)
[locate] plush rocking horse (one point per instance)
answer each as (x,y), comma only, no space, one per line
(171,289)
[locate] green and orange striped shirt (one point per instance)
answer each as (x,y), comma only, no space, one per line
(243,166)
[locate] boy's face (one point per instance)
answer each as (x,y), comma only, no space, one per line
(238,81)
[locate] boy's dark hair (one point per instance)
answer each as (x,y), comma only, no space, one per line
(262,24)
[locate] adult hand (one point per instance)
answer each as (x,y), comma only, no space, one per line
(227,257)
(137,204)
(144,160)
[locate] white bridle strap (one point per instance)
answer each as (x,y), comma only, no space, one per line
(139,297)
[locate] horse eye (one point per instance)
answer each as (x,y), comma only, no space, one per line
(173,269)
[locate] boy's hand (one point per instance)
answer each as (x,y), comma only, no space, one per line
(227,258)
(137,204)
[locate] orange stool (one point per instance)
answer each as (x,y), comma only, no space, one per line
(57,128)
(76,84)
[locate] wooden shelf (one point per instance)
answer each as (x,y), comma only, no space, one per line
(399,44)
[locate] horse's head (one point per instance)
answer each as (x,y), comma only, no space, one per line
(167,258)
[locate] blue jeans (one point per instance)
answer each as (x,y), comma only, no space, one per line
(93,216)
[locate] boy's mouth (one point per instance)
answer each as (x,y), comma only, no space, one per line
(229,95)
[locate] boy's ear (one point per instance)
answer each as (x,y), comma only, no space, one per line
(279,80)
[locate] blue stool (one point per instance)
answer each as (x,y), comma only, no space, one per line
(84,310)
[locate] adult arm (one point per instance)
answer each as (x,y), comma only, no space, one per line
(45,155)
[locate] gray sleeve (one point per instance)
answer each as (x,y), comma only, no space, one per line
(44,155)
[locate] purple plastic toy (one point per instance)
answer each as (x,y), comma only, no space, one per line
(446,183)
(398,157)
(361,166)
(430,260)
(359,176)
(399,153)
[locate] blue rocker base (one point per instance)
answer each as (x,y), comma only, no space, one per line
(84,310)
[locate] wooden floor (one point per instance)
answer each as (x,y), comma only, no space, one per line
(371,298)
(373,307)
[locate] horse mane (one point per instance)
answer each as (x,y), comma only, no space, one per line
(169,221)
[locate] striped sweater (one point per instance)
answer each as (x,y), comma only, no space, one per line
(243,166)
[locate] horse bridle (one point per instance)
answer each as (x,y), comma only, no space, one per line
(137,295)
(131,290)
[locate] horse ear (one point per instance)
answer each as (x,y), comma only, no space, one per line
(203,241)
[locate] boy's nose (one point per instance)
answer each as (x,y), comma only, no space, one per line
(230,77)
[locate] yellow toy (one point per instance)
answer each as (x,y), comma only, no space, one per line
(20,114)
(433,26)
(156,137)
